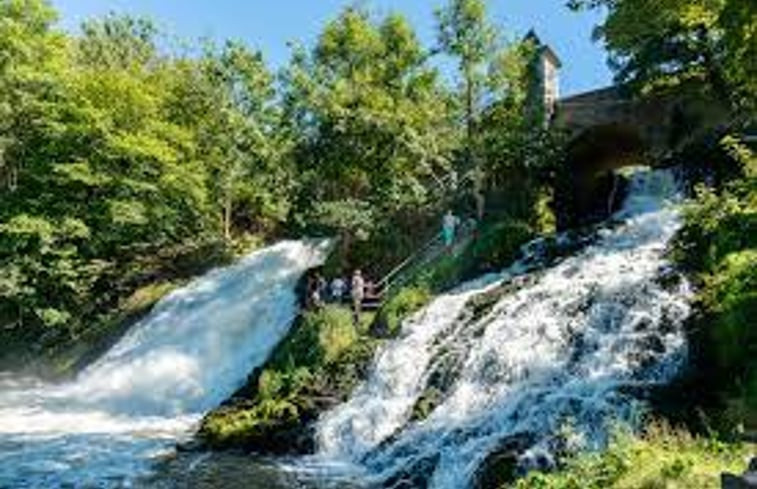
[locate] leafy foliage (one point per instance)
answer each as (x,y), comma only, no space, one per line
(719,245)
(110,150)
(401,305)
(662,457)
(667,42)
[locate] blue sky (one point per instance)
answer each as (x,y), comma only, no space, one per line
(269,24)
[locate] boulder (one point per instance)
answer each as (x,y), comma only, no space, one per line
(501,465)
(746,481)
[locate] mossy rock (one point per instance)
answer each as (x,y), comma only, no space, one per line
(316,367)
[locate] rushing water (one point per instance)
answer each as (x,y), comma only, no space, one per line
(129,408)
(560,352)
(538,358)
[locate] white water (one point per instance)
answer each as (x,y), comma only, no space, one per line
(148,392)
(558,352)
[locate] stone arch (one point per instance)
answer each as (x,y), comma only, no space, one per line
(588,188)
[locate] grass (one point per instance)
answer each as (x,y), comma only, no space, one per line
(660,458)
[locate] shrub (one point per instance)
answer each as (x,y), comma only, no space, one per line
(336,331)
(718,246)
(405,302)
(661,458)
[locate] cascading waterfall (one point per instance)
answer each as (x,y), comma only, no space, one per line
(194,349)
(561,350)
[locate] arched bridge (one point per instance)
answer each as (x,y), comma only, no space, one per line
(609,129)
(657,124)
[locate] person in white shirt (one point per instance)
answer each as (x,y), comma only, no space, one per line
(338,286)
(357,292)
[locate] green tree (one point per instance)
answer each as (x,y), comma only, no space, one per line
(239,136)
(664,43)
(466,34)
(372,122)
(30,56)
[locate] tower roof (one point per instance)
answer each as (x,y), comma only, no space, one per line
(544,49)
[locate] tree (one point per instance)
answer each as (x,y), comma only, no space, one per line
(668,42)
(118,41)
(465,34)
(504,149)
(30,56)
(239,134)
(372,124)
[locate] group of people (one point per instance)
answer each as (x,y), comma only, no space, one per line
(338,290)
(361,291)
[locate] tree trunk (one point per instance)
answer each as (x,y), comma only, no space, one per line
(226,218)
(478,184)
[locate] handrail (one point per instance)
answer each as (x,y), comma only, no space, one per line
(441,182)
(384,281)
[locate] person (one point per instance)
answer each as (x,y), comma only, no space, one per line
(317,293)
(309,287)
(449,225)
(472,225)
(358,293)
(337,289)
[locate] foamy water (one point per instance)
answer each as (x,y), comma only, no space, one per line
(558,354)
(109,425)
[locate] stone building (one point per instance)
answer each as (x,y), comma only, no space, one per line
(546,82)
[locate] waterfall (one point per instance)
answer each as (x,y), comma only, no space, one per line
(148,392)
(559,348)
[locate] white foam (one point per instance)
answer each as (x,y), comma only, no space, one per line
(150,389)
(559,351)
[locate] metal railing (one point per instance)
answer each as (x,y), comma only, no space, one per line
(386,281)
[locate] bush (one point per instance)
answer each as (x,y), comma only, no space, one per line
(336,331)
(661,458)
(496,246)
(404,303)
(718,246)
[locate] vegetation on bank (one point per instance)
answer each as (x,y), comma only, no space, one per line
(718,246)
(661,457)
(315,367)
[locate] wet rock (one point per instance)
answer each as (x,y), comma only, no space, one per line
(482,304)
(652,343)
(746,481)
(427,402)
(445,371)
(501,465)
(193,445)
(643,324)
(414,476)
(668,278)
(667,324)
(730,481)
